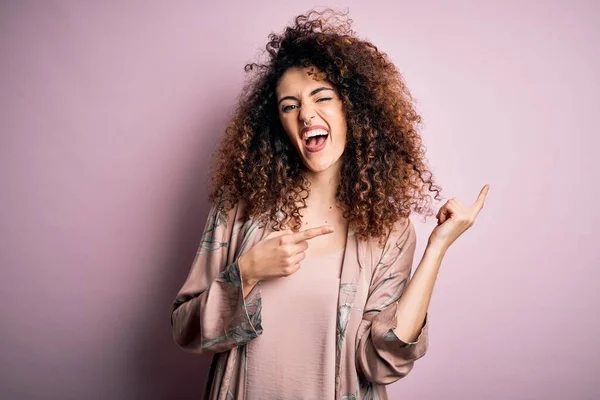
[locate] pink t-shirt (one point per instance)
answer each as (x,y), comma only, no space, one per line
(294,358)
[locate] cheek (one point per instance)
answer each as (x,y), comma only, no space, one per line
(287,128)
(336,117)
(341,127)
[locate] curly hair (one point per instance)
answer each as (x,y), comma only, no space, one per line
(384,171)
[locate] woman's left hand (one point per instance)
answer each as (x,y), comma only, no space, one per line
(454,218)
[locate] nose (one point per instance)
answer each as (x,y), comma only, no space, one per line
(306,114)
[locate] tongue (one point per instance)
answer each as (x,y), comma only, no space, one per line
(315,141)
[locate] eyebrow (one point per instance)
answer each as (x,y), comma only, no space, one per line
(311,94)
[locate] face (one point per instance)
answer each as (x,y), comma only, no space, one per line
(302,98)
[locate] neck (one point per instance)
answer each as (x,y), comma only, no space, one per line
(323,185)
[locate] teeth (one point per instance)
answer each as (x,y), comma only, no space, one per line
(314,132)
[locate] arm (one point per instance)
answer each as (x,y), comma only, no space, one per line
(413,305)
(210,312)
(381,356)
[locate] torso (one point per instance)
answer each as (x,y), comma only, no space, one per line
(302,309)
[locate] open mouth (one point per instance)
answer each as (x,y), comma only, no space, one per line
(314,133)
(315,140)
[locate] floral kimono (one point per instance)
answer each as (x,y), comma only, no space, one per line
(211,315)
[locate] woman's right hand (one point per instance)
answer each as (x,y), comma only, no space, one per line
(277,255)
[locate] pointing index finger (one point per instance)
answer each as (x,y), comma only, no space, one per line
(311,233)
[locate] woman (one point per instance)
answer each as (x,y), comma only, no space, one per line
(301,284)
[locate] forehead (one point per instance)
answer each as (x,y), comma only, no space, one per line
(298,79)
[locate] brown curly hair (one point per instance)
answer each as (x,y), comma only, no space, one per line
(384,171)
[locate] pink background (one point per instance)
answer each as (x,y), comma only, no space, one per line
(110,111)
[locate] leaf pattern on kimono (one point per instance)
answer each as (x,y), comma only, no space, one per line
(365,389)
(370,394)
(231,275)
(390,254)
(215,221)
(241,334)
(209,241)
(254,308)
(212,342)
(394,297)
(248,233)
(348,288)
(342,318)
(211,244)
(390,336)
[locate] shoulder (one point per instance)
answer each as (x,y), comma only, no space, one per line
(401,237)
(402,231)
(226,211)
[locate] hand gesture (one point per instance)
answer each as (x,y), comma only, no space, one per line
(454,218)
(278,254)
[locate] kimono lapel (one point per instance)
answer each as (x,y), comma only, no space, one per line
(352,269)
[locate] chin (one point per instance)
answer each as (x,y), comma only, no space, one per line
(320,166)
(317,168)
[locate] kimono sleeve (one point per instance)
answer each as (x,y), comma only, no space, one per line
(381,357)
(210,313)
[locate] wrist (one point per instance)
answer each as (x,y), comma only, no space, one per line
(246,276)
(436,248)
